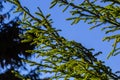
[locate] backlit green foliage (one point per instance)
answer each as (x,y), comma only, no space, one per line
(98,13)
(68,59)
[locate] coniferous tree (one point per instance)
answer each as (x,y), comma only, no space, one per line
(69,59)
(105,16)
(12,50)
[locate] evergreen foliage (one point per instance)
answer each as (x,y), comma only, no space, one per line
(103,13)
(69,59)
(11,47)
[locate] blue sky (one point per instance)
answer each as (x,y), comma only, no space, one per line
(79,32)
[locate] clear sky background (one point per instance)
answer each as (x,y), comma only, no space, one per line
(80,32)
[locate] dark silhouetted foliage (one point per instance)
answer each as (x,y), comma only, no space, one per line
(8,75)
(12,50)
